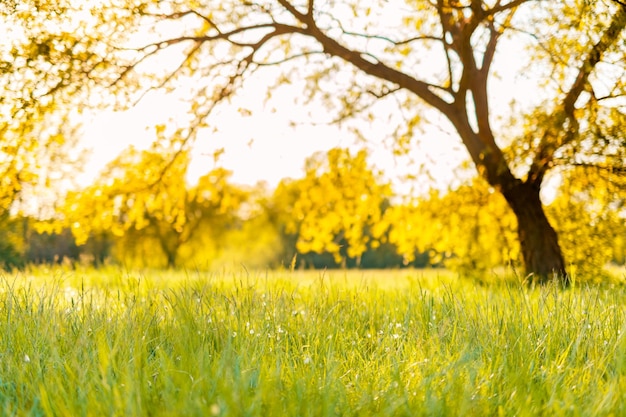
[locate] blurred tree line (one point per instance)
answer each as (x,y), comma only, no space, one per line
(141,211)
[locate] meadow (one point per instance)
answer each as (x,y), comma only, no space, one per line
(111,342)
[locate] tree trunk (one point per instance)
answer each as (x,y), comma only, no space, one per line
(543,259)
(171,259)
(169,251)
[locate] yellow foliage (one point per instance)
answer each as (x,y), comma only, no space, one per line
(470,228)
(146,192)
(590,216)
(337,207)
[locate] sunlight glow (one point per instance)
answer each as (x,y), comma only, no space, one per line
(261,143)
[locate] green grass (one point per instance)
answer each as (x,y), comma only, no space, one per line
(115,343)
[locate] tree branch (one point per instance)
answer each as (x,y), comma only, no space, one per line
(304,18)
(356,58)
(499,7)
(287,58)
(621,2)
(553,139)
(479,85)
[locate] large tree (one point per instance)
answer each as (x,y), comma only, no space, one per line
(421,54)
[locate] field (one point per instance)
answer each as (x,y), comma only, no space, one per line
(244,343)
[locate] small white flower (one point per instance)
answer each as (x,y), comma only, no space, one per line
(26,358)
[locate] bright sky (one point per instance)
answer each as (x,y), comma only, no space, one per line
(262,146)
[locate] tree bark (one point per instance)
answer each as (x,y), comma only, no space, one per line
(542,255)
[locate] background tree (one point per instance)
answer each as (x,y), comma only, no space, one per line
(469,229)
(214,208)
(438,55)
(590,215)
(253,240)
(337,207)
(143,197)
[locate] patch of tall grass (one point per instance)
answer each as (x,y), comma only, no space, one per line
(113,342)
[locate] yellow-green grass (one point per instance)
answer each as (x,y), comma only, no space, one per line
(243,343)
